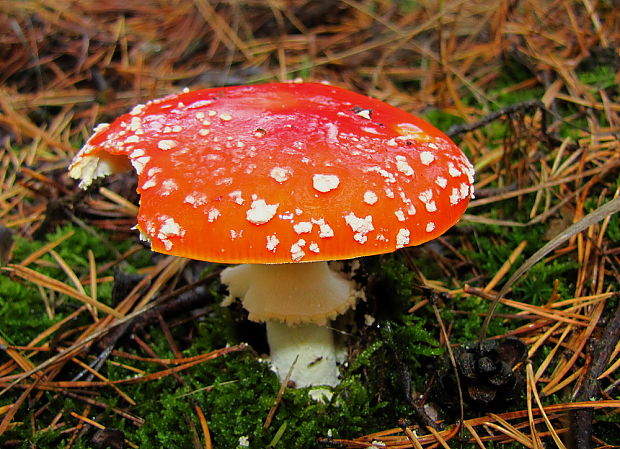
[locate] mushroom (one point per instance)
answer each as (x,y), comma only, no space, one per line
(282,178)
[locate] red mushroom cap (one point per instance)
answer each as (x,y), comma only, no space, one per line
(284,172)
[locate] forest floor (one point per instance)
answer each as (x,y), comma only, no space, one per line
(104,343)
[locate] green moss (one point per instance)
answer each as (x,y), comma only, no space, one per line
(599,77)
(22,310)
(466,325)
(441,119)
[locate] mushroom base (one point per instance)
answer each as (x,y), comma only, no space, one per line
(307,348)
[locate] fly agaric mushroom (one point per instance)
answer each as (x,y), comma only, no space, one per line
(281,178)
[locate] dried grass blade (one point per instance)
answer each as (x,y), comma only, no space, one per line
(532,387)
(93,275)
(531,421)
(44,249)
(577,351)
(545,185)
(137,421)
(7,367)
(556,408)
(68,352)
(50,330)
(510,431)
(559,382)
(470,218)
(542,338)
(412,437)
(104,379)
(147,377)
(582,301)
(204,426)
(438,437)
(128,367)
(384,435)
(205,357)
(365,47)
(555,315)
(506,266)
(127,206)
(53,284)
(21,361)
(281,390)
(4,425)
(545,363)
(87,421)
(159,361)
(174,266)
(587,103)
(69,272)
(614,366)
(221,27)
(22,124)
(474,434)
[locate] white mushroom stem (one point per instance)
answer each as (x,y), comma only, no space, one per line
(309,347)
(297,301)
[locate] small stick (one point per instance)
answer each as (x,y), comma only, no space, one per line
(276,403)
(581,420)
(410,435)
